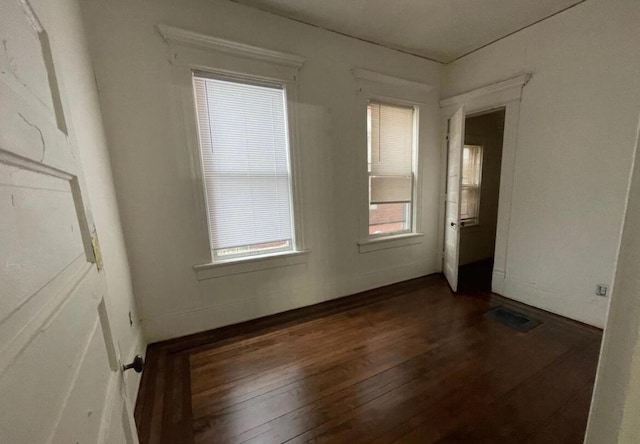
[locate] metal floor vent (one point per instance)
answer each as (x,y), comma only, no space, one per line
(513,319)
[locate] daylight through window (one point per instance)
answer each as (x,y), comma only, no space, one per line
(470,193)
(245,158)
(390,154)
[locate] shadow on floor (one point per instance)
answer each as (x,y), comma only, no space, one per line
(475,276)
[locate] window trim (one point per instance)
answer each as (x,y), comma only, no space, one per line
(191,51)
(375,85)
(384,243)
(365,237)
(257,81)
(290,89)
(249,264)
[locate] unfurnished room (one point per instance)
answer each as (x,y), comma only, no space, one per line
(319,221)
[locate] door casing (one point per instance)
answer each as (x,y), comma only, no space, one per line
(505,94)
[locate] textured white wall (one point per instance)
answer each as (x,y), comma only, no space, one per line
(574,145)
(575,140)
(616,399)
(154,182)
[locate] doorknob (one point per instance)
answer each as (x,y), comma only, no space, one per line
(137,364)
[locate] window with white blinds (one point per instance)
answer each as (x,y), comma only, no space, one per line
(470,190)
(390,150)
(245,157)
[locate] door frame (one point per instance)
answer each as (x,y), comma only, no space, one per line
(505,94)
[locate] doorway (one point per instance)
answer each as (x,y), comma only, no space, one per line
(479,195)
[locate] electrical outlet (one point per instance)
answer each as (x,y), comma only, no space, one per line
(601,290)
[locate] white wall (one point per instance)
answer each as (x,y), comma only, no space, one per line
(477,242)
(154,180)
(616,400)
(63,21)
(575,141)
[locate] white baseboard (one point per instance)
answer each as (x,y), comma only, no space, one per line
(582,308)
(497,282)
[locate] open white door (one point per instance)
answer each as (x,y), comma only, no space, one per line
(60,375)
(452,204)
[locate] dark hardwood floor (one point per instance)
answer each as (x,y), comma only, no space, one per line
(407,363)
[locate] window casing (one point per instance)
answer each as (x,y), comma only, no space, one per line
(470,187)
(391,145)
(244,147)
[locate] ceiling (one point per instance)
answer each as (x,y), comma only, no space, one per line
(440,30)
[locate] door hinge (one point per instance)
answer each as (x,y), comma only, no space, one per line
(97,255)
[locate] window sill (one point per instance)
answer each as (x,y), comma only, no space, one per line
(383,243)
(248,264)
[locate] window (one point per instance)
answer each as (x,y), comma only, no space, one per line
(244,144)
(390,158)
(470,192)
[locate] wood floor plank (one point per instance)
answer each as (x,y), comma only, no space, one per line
(378,373)
(386,342)
(500,366)
(428,369)
(526,408)
(472,401)
(352,322)
(405,363)
(567,425)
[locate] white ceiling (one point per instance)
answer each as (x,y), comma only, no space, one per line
(441,30)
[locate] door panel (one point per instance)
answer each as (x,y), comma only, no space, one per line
(89,389)
(21,61)
(452,205)
(42,369)
(33,208)
(60,378)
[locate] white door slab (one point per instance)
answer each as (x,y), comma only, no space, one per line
(60,375)
(452,204)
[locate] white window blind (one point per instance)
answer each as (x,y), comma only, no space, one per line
(391,153)
(471,176)
(245,156)
(390,157)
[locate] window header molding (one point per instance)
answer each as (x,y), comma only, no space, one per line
(373,76)
(513,87)
(191,52)
(190,38)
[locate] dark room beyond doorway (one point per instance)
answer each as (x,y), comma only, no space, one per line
(481,165)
